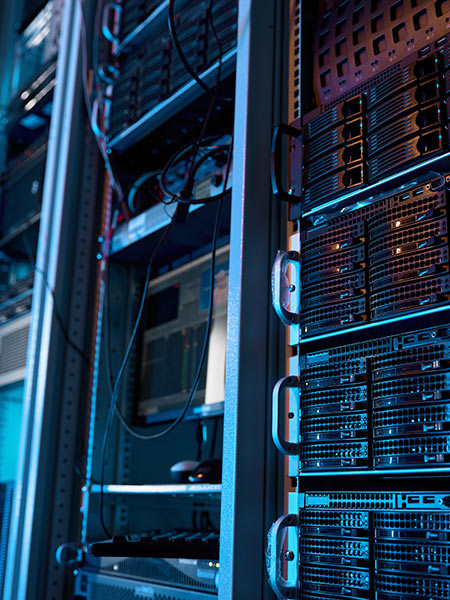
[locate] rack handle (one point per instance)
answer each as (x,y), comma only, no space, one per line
(110,7)
(281,287)
(276,161)
(275,538)
(284,446)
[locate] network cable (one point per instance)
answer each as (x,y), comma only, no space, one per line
(112,409)
(196,381)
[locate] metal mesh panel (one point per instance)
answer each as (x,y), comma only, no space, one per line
(333,265)
(410,296)
(346,398)
(333,290)
(409,267)
(407,212)
(420,451)
(420,388)
(419,587)
(405,240)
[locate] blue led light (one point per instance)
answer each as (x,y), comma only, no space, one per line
(372,186)
(365,326)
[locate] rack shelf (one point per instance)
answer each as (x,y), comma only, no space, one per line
(143,225)
(139,33)
(20,229)
(167,108)
(165,489)
(395,471)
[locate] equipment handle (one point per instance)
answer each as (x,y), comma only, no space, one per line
(275,163)
(109,8)
(281,288)
(281,587)
(284,446)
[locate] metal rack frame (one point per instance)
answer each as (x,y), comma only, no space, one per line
(47,501)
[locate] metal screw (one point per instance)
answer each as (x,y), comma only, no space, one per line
(290,415)
(292,288)
(289,555)
(291,190)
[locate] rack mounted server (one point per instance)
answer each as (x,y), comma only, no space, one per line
(367,296)
(152,72)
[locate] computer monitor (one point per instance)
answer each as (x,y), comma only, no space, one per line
(172,340)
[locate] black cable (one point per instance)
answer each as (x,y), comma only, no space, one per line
(180,213)
(187,66)
(196,382)
(218,150)
(208,144)
(207,332)
(113,403)
(108,363)
(117,383)
(59,319)
(57,312)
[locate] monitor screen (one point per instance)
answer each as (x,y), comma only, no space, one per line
(172,341)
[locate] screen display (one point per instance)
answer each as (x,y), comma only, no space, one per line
(162,307)
(172,342)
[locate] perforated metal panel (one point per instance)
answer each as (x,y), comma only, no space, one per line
(13,349)
(356,40)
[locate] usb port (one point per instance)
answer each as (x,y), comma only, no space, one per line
(440,42)
(428,499)
(418,192)
(424,51)
(413,499)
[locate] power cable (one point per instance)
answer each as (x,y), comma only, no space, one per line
(219,149)
(112,409)
(118,380)
(56,309)
(98,135)
(197,376)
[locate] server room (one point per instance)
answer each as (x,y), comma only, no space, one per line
(224,300)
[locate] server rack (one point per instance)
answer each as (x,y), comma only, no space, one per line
(361,411)
(129,489)
(30,34)
(59,384)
